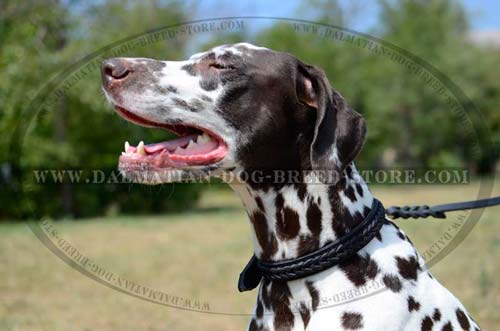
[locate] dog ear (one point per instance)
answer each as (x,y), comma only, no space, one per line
(339,131)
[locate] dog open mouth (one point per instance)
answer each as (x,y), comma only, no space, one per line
(195,146)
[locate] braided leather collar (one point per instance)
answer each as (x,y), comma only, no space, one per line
(324,258)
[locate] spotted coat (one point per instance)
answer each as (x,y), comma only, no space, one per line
(386,286)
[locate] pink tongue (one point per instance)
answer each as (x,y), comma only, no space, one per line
(170,145)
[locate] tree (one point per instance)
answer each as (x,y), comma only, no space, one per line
(79,130)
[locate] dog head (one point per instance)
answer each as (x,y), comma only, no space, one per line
(233,107)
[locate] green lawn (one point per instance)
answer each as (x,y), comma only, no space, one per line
(199,255)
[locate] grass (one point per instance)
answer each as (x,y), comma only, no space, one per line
(198,255)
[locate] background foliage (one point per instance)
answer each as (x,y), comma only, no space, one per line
(408,123)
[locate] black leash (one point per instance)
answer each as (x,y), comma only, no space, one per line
(346,246)
(439,210)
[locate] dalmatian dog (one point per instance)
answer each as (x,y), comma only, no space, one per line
(247,109)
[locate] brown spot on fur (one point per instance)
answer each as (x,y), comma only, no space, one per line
(314,219)
(279,202)
(349,192)
(264,294)
(359,189)
(305,314)
(392,282)
(437,315)
(339,215)
(190,69)
(183,104)
(259,203)
(287,223)
(357,269)
(462,319)
(408,267)
(267,242)
(287,220)
(273,245)
(253,325)
(412,304)
(352,321)
(343,221)
(259,311)
(307,244)
(313,292)
(301,191)
(447,327)
(427,324)
(348,170)
(372,269)
(280,301)
(259,222)
(342,183)
(283,229)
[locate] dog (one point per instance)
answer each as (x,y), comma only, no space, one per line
(242,108)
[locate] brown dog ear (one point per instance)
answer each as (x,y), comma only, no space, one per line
(339,131)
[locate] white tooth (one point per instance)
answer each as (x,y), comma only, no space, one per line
(123,153)
(127,145)
(191,144)
(203,138)
(140,148)
(177,149)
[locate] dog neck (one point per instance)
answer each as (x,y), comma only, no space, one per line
(290,220)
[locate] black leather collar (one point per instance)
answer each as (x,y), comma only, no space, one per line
(324,258)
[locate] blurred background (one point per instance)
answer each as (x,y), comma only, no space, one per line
(409,126)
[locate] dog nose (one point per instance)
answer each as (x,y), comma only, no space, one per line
(114,69)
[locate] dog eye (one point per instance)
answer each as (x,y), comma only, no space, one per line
(220,66)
